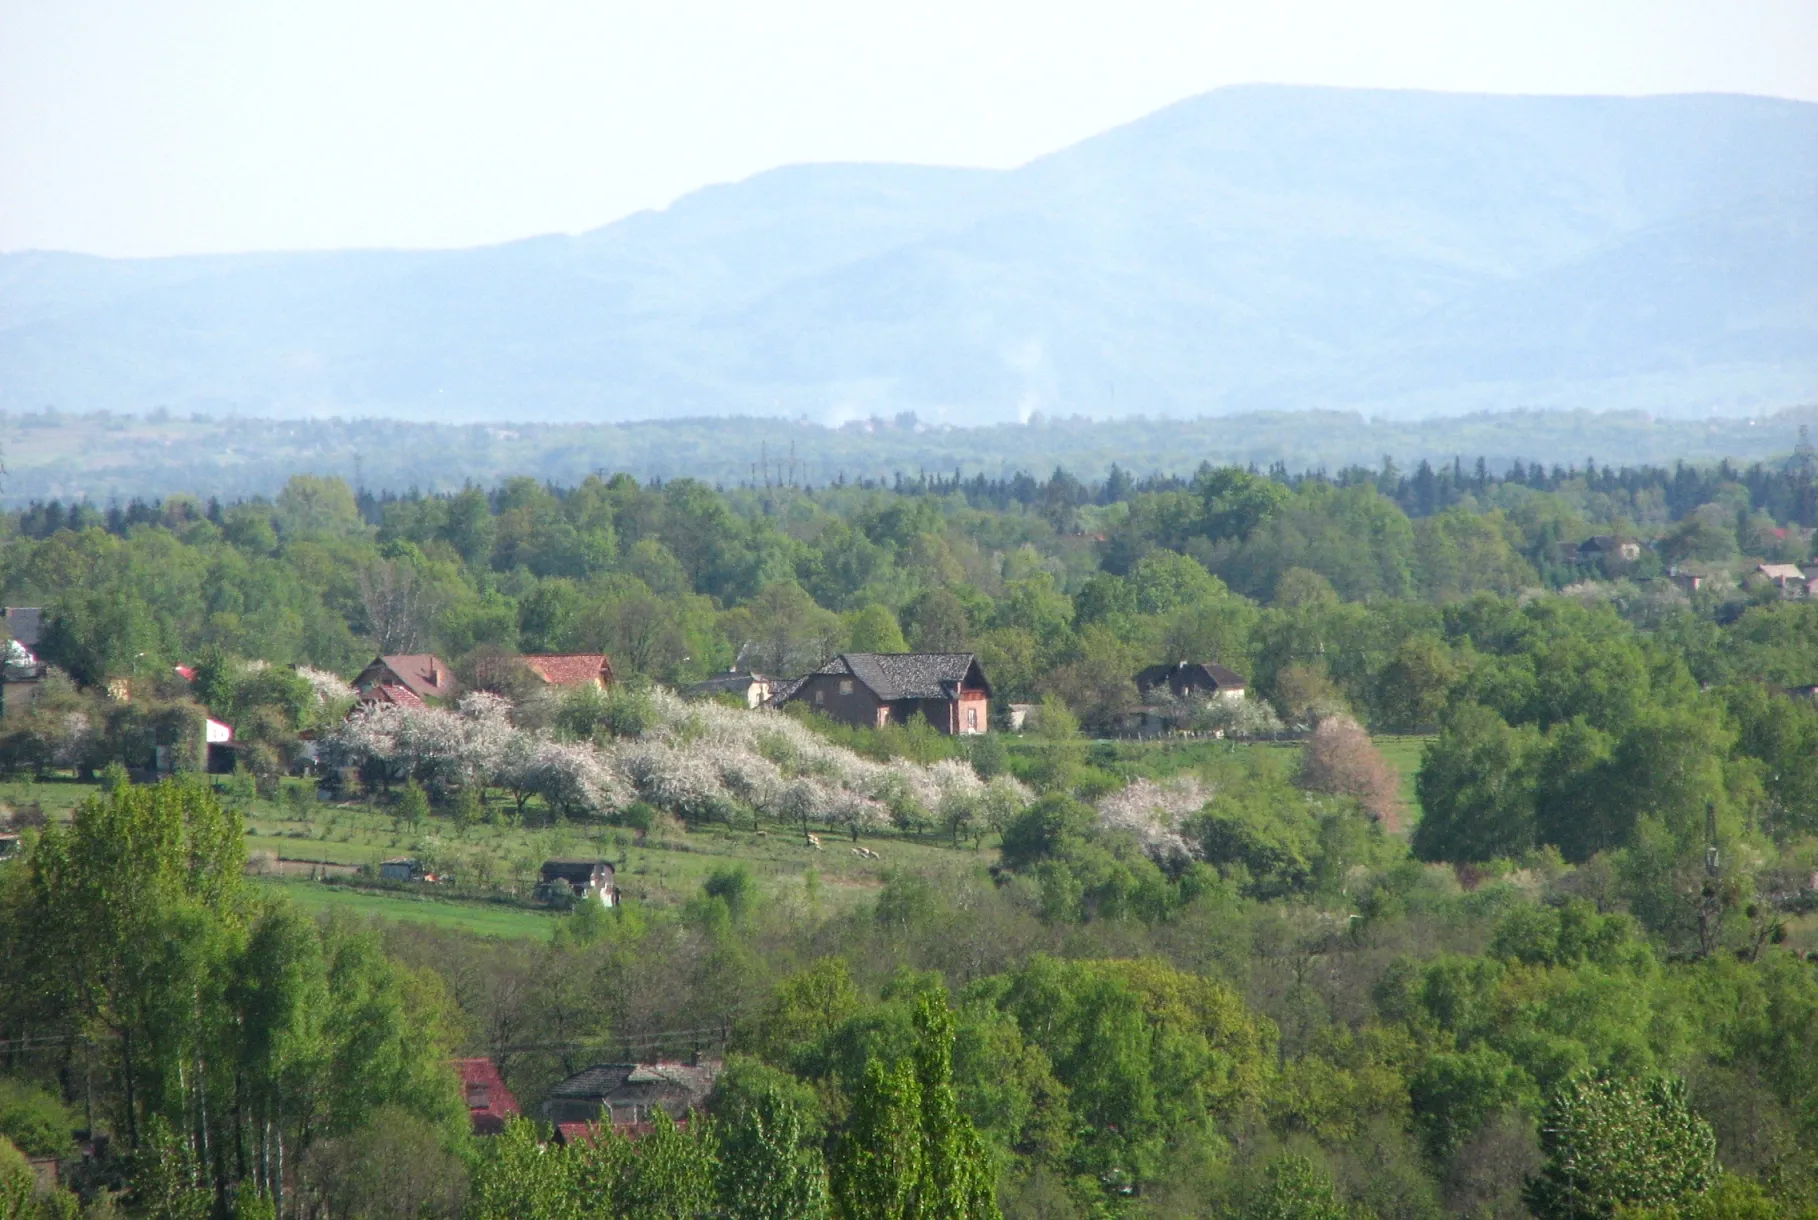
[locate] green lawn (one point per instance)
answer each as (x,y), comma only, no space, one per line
(481,919)
(1403,753)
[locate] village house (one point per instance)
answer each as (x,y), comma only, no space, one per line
(1171,692)
(627,1095)
(570,668)
(1609,546)
(1787,577)
(489,1102)
(872,689)
(584,879)
(1191,679)
(406,678)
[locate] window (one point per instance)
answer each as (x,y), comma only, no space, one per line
(972,718)
(820,696)
(845,686)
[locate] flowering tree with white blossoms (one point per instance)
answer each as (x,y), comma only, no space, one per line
(575,781)
(333,692)
(1154,813)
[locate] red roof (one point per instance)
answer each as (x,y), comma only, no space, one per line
(570,1134)
(427,675)
(569,668)
(489,1102)
(388,692)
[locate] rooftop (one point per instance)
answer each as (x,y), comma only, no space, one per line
(568,668)
(905,675)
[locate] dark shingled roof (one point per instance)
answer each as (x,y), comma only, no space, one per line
(26,624)
(1157,675)
(681,1085)
(900,675)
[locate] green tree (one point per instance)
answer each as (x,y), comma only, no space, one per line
(874,629)
(769,1165)
(1293,1188)
(165,1182)
(1476,789)
(908,1152)
(1413,687)
(18,1184)
(1455,1093)
(413,804)
(666,1174)
(1613,1143)
(134,906)
(521,1178)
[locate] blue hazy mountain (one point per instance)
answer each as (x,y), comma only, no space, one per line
(1261,247)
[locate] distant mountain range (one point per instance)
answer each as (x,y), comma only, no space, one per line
(1256,248)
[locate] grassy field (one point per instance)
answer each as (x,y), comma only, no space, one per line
(481,919)
(1403,753)
(665,867)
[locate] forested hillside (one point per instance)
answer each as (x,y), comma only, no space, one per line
(1090,976)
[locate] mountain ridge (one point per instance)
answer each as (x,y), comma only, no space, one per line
(1261,247)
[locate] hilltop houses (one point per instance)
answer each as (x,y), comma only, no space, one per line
(872,689)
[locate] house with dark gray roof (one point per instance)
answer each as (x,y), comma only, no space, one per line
(872,689)
(1188,679)
(628,1094)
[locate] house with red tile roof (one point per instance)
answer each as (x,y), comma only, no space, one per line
(570,668)
(423,674)
(489,1102)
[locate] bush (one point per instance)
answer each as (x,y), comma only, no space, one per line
(34,1120)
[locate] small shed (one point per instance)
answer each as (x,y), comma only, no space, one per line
(400,868)
(583,879)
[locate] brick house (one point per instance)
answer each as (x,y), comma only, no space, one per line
(872,689)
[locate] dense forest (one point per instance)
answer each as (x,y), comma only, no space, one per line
(1579,976)
(104,456)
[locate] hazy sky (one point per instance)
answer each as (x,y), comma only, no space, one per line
(134,127)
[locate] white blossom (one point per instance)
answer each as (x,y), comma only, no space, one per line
(1153,813)
(330,689)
